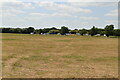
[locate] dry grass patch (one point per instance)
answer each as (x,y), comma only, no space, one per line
(56,56)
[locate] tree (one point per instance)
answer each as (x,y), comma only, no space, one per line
(16,30)
(116,32)
(30,29)
(64,30)
(46,30)
(1,30)
(99,30)
(74,31)
(93,31)
(109,30)
(102,33)
(25,31)
(83,31)
(6,30)
(53,31)
(53,28)
(38,31)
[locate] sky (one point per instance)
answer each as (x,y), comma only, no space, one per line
(75,14)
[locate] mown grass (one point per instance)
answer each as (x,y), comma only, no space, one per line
(57,56)
(64,40)
(5,58)
(17,64)
(37,58)
(76,57)
(105,59)
(8,39)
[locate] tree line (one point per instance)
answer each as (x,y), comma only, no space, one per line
(108,31)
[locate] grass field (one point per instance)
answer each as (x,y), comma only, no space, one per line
(56,56)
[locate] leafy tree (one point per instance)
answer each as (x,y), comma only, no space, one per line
(16,30)
(102,33)
(0,30)
(116,32)
(38,31)
(74,31)
(30,29)
(64,30)
(93,31)
(5,30)
(53,28)
(83,31)
(99,30)
(24,31)
(46,30)
(109,30)
(53,31)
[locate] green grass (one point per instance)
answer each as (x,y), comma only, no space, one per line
(8,39)
(8,57)
(37,58)
(78,58)
(64,40)
(17,64)
(105,59)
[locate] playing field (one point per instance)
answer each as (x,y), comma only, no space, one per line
(56,56)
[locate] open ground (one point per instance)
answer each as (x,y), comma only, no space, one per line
(57,56)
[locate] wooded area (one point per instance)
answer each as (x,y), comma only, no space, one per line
(107,31)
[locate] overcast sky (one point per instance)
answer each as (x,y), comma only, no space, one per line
(51,13)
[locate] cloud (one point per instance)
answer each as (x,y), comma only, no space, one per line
(39,14)
(113,13)
(1,1)
(50,15)
(10,12)
(47,13)
(111,21)
(14,11)
(63,0)
(97,4)
(89,18)
(63,7)
(61,14)
(93,0)
(14,7)
(114,22)
(17,5)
